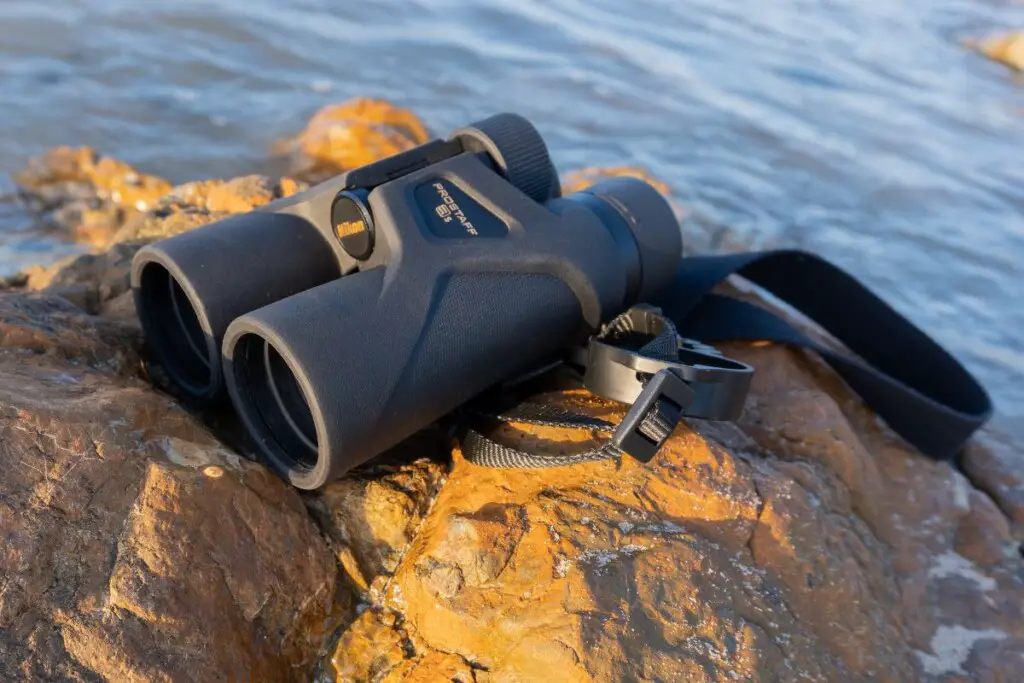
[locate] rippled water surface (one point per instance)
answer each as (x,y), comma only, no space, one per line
(860,129)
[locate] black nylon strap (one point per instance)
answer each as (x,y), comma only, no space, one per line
(920,390)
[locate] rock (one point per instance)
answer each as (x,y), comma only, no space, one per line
(106,203)
(191,205)
(1006,49)
(136,547)
(372,515)
(375,650)
(351,134)
(803,543)
(84,196)
(373,647)
(87,280)
(38,325)
(983,534)
(91,280)
(997,468)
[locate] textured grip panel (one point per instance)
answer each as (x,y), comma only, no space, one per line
(481,329)
(518,150)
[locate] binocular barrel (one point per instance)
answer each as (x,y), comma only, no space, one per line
(343,320)
(189,288)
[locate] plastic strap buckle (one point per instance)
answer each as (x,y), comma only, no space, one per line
(654,415)
(720,384)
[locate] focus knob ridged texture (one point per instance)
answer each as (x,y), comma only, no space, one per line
(518,150)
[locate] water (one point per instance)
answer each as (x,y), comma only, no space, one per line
(858,129)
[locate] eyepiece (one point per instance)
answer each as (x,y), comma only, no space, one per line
(518,150)
(645,230)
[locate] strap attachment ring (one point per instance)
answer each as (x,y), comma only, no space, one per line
(620,373)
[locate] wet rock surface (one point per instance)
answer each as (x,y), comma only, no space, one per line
(802,543)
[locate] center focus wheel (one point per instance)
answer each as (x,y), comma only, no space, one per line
(517,150)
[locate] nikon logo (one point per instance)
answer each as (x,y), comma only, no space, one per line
(448,210)
(346,228)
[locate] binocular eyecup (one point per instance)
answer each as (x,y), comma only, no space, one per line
(470,270)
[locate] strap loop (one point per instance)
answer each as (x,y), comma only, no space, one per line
(638,359)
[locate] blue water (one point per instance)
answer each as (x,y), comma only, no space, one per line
(859,129)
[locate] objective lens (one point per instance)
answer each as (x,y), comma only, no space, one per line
(174,331)
(276,405)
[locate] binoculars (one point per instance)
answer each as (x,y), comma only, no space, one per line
(343,319)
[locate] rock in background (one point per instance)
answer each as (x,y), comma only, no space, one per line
(349,135)
(1006,49)
(802,543)
(77,192)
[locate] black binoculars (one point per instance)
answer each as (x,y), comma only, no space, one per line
(344,319)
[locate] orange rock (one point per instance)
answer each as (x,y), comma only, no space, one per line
(435,666)
(239,195)
(376,651)
(112,180)
(122,559)
(372,647)
(100,201)
(1007,49)
(124,186)
(96,225)
(372,517)
(91,280)
(56,165)
(85,196)
(290,186)
(803,543)
(352,134)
